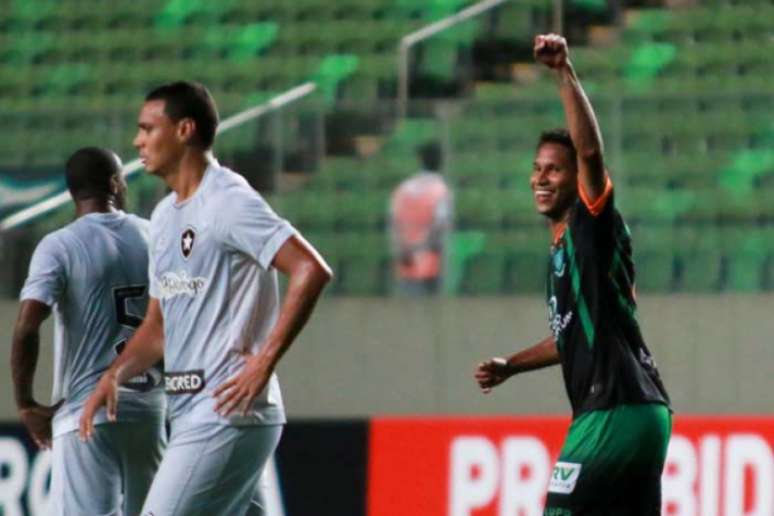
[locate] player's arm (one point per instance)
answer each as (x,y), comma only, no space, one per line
(496,370)
(307,275)
(24,360)
(144,350)
(552,51)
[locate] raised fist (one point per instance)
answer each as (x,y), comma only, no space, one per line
(551,50)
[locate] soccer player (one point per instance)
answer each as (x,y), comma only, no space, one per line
(93,274)
(615,449)
(214,313)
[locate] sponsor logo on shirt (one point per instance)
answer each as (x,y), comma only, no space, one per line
(564,477)
(173,284)
(184,382)
(556,321)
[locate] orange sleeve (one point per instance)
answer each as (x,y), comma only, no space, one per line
(597,206)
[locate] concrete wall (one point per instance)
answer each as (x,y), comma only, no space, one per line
(363,357)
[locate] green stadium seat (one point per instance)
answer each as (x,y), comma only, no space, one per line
(653,258)
(360,210)
(484,274)
(699,260)
(748,251)
(363,264)
(475,209)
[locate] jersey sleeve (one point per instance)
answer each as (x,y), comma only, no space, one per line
(153,288)
(47,277)
(251,227)
(596,207)
(592,226)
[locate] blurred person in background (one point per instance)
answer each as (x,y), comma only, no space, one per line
(614,452)
(421,210)
(214,314)
(93,274)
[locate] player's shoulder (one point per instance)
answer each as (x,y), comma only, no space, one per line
(139,224)
(223,178)
(228,188)
(162,206)
(58,242)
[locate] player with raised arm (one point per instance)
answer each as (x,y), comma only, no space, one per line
(214,313)
(615,449)
(93,274)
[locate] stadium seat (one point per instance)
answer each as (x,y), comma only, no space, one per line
(684,99)
(653,258)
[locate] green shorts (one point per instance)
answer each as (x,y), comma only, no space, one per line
(611,463)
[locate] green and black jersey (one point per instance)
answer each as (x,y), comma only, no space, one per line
(592,312)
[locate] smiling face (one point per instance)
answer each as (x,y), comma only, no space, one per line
(554,180)
(160,141)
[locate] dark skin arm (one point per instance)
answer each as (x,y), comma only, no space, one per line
(552,51)
(496,370)
(308,274)
(144,349)
(24,360)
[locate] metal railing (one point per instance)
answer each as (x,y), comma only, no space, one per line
(426,32)
(42,207)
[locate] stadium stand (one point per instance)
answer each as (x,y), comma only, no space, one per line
(683,95)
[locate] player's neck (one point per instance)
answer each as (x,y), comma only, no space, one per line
(93,205)
(558,225)
(187,177)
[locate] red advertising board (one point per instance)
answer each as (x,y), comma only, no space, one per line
(716,466)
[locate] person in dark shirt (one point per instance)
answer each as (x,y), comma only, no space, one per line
(615,450)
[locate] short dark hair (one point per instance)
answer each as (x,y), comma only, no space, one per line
(88,172)
(559,136)
(430,155)
(186,99)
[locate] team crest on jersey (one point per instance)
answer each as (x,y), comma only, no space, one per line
(559,263)
(187,241)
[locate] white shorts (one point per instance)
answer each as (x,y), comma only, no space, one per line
(111,473)
(211,470)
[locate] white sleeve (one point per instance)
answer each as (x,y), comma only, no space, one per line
(251,227)
(47,278)
(153,289)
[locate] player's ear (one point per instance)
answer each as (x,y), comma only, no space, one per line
(118,190)
(115,187)
(186,130)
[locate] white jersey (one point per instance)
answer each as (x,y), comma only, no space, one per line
(93,273)
(210,268)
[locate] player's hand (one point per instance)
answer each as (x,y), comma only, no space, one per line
(491,373)
(106,394)
(551,50)
(37,419)
(240,391)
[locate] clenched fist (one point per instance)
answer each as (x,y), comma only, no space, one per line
(551,50)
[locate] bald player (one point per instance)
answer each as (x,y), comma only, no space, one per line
(615,449)
(92,274)
(214,315)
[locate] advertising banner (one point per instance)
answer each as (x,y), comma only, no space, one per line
(716,466)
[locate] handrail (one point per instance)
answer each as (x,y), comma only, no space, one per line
(42,207)
(415,37)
